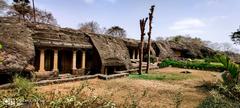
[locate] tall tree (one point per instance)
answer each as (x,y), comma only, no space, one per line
(34,11)
(149,36)
(22,7)
(90,27)
(142,29)
(116,31)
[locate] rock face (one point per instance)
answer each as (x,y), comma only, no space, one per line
(112,51)
(18,48)
(182,48)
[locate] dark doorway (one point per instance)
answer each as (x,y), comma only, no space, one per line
(110,70)
(79,59)
(65,61)
(49,60)
(5,78)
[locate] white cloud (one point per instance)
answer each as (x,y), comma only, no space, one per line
(188,26)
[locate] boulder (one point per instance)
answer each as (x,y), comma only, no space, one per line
(17,50)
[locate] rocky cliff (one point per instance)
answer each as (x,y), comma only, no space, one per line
(18,49)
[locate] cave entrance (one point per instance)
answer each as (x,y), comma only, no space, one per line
(65,61)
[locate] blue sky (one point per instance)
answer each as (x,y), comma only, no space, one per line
(212,20)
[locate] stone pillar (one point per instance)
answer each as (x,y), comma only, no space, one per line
(55,61)
(74,60)
(42,61)
(106,70)
(133,56)
(138,54)
(83,59)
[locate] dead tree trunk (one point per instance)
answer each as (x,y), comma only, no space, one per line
(149,36)
(34,11)
(142,29)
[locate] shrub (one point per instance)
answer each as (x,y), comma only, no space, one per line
(22,94)
(230,91)
(216,100)
(232,74)
(222,96)
(210,59)
(191,65)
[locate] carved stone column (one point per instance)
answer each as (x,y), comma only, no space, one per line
(74,60)
(55,62)
(133,56)
(137,54)
(42,61)
(83,59)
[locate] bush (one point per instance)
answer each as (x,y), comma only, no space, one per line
(22,94)
(216,100)
(210,59)
(232,74)
(224,96)
(191,65)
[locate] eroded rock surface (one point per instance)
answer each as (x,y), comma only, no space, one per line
(18,48)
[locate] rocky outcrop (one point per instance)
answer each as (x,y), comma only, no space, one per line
(112,50)
(18,48)
(53,36)
(183,48)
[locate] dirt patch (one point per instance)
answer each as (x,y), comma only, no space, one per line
(146,93)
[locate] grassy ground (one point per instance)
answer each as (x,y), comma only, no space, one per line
(159,89)
(161,76)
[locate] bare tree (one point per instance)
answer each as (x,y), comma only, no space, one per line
(116,31)
(34,11)
(90,27)
(36,15)
(149,36)
(142,29)
(41,16)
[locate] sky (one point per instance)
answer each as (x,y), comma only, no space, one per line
(212,20)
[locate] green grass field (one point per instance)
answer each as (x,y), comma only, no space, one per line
(161,76)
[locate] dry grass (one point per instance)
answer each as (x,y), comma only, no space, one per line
(147,93)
